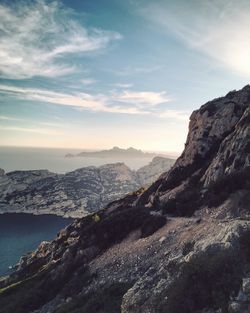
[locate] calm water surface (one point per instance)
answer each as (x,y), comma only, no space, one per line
(21,233)
(14,158)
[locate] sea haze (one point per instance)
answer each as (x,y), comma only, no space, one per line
(21,233)
(54,160)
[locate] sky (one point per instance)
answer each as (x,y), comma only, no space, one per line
(95,74)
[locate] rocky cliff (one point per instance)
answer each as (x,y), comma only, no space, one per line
(217,149)
(181,246)
(149,173)
(76,193)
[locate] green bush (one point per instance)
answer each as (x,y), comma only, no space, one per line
(152,224)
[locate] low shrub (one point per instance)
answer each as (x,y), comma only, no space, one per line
(187,247)
(185,203)
(152,224)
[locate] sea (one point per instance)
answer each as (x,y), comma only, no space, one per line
(21,233)
(54,160)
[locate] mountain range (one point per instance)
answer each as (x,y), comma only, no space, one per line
(115,152)
(180,246)
(75,193)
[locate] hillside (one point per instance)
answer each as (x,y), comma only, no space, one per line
(181,246)
(75,193)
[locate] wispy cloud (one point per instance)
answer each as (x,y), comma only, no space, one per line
(81,100)
(51,124)
(142,98)
(130,70)
(175,114)
(9,118)
(88,81)
(42,131)
(123,102)
(218,29)
(123,85)
(36,36)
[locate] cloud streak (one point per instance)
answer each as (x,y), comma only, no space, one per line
(142,98)
(123,85)
(36,37)
(42,131)
(175,114)
(9,118)
(218,29)
(123,102)
(88,81)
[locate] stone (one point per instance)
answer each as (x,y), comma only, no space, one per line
(162,239)
(246,286)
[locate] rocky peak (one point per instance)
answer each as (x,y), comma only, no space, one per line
(119,171)
(151,172)
(212,123)
(217,145)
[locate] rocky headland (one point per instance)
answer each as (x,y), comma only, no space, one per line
(181,246)
(115,152)
(77,193)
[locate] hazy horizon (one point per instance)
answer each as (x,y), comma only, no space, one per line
(54,160)
(79,149)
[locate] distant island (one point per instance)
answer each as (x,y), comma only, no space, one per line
(115,152)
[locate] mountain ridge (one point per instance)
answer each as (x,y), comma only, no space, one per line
(76,193)
(116,152)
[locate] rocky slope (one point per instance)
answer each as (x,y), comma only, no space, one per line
(76,193)
(217,149)
(181,246)
(147,174)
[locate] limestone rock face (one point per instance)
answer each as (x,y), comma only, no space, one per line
(217,146)
(2,172)
(149,173)
(181,246)
(241,303)
(76,193)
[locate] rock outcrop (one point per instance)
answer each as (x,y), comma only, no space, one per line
(217,148)
(77,193)
(181,246)
(147,174)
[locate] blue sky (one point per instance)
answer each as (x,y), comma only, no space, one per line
(94,74)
